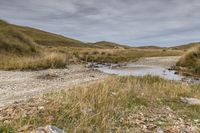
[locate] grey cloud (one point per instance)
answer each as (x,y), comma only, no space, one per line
(136,22)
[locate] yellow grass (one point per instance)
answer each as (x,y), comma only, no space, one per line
(104,107)
(190,62)
(46,60)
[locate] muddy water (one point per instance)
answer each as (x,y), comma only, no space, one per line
(156,66)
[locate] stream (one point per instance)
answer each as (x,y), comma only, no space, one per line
(155,66)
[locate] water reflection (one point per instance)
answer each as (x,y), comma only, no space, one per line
(141,70)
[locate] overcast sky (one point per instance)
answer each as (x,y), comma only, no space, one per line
(133,22)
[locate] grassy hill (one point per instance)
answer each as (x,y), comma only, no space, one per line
(186,46)
(20,39)
(150,47)
(15,41)
(29,48)
(190,63)
(110,45)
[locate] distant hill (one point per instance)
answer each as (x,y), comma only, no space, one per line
(109,45)
(186,46)
(150,47)
(19,39)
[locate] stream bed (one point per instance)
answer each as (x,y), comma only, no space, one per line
(141,70)
(155,66)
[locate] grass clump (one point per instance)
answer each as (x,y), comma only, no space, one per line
(125,55)
(103,107)
(44,61)
(190,62)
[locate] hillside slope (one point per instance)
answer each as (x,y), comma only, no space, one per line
(109,45)
(14,41)
(19,39)
(187,46)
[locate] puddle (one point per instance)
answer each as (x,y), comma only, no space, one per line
(141,70)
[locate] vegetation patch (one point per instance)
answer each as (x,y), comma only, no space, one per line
(190,63)
(128,104)
(37,62)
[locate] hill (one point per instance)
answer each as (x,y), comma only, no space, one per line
(14,41)
(20,40)
(186,46)
(109,45)
(150,47)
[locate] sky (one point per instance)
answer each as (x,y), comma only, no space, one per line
(131,22)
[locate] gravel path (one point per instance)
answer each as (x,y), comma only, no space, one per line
(18,85)
(165,62)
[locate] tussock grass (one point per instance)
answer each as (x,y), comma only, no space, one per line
(102,107)
(14,41)
(124,55)
(191,61)
(44,61)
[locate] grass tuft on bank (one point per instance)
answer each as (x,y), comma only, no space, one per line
(190,62)
(35,62)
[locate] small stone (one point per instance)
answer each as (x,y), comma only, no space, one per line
(49,129)
(197,120)
(41,108)
(92,76)
(159,130)
(113,93)
(86,111)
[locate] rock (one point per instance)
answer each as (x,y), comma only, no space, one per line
(176,73)
(48,76)
(49,129)
(92,76)
(159,130)
(190,101)
(41,108)
(86,111)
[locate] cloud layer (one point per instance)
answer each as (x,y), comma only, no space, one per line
(133,22)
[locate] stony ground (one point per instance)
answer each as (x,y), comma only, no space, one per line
(17,85)
(165,62)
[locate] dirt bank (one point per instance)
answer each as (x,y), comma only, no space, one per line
(18,85)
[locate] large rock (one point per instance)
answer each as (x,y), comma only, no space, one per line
(190,101)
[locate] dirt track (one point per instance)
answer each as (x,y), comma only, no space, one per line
(164,62)
(18,85)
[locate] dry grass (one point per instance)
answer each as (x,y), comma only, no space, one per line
(102,107)
(191,62)
(43,61)
(122,55)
